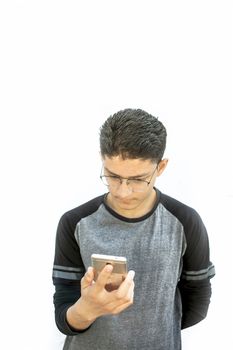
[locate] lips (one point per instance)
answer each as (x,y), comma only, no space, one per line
(124,201)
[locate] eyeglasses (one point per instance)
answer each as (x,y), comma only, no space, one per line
(135,185)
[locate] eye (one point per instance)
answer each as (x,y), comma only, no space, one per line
(114,178)
(136,181)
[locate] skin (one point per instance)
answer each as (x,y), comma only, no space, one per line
(95,301)
(123,200)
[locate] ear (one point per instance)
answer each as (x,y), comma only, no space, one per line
(161,166)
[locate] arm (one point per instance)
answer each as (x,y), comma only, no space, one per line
(64,297)
(74,316)
(195,296)
(78,300)
(68,270)
(194,285)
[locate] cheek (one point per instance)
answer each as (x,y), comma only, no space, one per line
(148,193)
(140,196)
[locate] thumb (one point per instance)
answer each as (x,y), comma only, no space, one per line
(88,278)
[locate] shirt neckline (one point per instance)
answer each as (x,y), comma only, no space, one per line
(138,219)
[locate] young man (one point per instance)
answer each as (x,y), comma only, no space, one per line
(165,243)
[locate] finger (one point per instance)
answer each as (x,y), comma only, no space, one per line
(130,276)
(103,277)
(122,296)
(128,301)
(117,302)
(88,278)
(130,294)
(126,285)
(122,307)
(120,299)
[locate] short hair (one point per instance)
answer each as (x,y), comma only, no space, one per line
(133,134)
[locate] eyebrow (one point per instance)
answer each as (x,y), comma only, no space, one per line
(130,177)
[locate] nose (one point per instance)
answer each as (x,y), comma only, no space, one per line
(123,190)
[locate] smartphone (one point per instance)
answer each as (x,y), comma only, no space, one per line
(119,271)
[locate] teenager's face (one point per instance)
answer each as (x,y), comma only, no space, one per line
(122,198)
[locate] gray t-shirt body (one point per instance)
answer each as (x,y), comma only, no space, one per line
(154,246)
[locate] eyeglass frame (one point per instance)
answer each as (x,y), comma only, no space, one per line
(127,179)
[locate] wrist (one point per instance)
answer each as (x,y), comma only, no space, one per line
(78,316)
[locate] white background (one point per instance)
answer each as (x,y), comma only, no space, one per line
(65,67)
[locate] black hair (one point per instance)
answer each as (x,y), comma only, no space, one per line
(133,134)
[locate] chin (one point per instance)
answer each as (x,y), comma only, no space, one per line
(127,204)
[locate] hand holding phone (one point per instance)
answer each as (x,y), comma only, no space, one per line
(96,301)
(119,271)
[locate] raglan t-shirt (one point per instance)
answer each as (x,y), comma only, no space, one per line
(169,251)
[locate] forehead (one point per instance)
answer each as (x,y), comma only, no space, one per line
(128,167)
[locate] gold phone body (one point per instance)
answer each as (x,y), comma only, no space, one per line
(119,271)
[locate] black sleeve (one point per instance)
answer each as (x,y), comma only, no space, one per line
(64,297)
(68,269)
(194,285)
(195,297)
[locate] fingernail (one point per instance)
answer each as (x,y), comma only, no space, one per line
(89,269)
(108,268)
(132,274)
